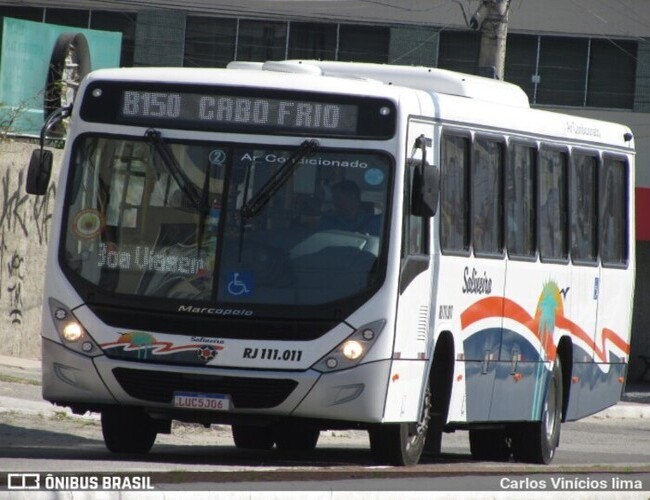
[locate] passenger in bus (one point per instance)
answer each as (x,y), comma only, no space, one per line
(350,213)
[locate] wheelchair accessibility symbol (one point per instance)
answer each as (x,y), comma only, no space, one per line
(240,284)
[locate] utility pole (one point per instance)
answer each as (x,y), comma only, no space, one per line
(492,19)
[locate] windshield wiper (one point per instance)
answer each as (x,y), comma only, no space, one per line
(198,201)
(259,200)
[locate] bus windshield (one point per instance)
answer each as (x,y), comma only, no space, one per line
(132,228)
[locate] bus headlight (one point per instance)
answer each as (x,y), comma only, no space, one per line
(72,332)
(73,335)
(352,350)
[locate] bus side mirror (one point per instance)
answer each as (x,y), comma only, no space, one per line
(39,172)
(40,165)
(425,190)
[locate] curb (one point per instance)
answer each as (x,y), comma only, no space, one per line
(41,408)
(624,409)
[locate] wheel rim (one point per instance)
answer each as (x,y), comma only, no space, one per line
(417,432)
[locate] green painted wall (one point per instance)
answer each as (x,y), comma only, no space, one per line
(24,62)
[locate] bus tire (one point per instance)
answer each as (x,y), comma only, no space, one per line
(536,442)
(128,430)
(489,444)
(252,437)
(440,382)
(403,443)
(296,437)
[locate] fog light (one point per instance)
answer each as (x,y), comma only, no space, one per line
(331,363)
(368,334)
(87,346)
(72,332)
(352,349)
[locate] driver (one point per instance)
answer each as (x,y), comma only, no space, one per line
(349,213)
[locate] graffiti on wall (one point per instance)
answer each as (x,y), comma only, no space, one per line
(24,223)
(16,274)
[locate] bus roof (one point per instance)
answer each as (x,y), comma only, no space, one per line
(240,76)
(457,94)
(415,77)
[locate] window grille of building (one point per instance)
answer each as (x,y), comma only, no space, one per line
(552,70)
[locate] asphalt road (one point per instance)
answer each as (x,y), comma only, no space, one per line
(38,438)
(38,442)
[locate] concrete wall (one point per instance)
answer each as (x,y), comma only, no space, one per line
(24,233)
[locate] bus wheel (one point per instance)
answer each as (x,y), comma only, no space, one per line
(400,444)
(252,437)
(489,444)
(536,442)
(128,430)
(296,437)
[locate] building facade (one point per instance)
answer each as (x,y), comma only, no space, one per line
(585,57)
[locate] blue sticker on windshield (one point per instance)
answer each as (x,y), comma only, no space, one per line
(240,284)
(374,176)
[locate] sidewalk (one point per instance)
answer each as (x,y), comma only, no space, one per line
(20,391)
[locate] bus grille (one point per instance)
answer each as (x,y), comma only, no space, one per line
(159,387)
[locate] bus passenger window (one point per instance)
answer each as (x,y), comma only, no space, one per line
(552,205)
(520,201)
(613,213)
(454,202)
(486,197)
(583,208)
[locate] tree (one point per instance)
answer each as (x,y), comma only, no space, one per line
(492,19)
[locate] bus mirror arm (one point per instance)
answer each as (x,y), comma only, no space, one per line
(40,164)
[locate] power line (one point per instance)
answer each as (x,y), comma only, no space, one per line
(609,39)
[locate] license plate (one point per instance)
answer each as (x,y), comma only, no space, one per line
(199,401)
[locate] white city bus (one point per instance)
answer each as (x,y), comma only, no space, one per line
(295,246)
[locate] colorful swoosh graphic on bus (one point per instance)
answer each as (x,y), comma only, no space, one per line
(146,344)
(548,316)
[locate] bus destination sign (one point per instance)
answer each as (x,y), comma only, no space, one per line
(239,112)
(237,109)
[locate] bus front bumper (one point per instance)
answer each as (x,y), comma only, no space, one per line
(72,379)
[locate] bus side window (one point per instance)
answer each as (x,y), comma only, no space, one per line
(613,213)
(486,179)
(583,200)
(454,200)
(552,205)
(521,230)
